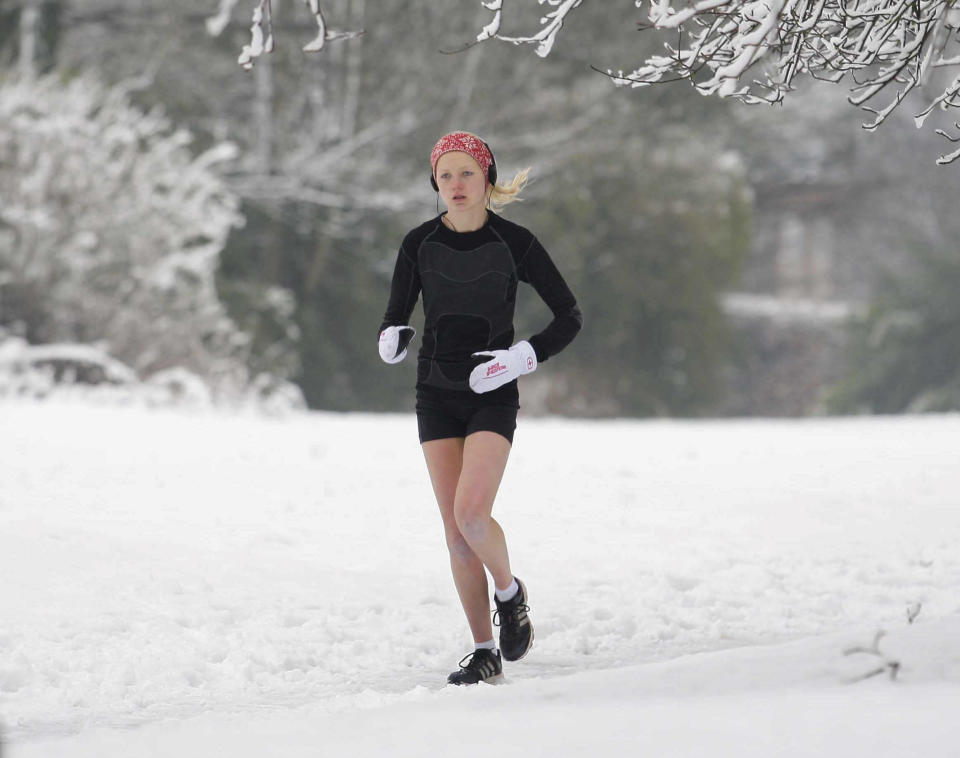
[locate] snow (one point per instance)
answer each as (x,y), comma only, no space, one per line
(197,584)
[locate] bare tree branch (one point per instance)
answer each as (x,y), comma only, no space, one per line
(887,665)
(913,611)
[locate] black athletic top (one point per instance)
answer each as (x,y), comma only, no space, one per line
(469,284)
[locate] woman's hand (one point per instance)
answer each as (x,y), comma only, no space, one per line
(504,366)
(393,343)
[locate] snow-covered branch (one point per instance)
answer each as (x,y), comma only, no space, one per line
(550,25)
(261,29)
(889,46)
(753,50)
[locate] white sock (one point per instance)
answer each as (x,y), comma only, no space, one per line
(488,645)
(509,592)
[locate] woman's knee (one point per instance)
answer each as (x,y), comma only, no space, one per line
(473,520)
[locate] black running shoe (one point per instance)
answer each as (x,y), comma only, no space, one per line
(481,666)
(516,631)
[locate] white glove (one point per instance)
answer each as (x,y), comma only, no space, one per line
(504,366)
(394,341)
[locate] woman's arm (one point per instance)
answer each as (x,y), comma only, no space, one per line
(538,269)
(404,291)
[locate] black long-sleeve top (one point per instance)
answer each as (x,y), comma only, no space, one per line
(469,286)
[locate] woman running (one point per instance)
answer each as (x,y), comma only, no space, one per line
(467,262)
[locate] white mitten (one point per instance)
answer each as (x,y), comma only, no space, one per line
(504,366)
(394,341)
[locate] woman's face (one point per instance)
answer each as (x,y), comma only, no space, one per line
(463,187)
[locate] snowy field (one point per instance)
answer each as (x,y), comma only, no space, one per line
(202,585)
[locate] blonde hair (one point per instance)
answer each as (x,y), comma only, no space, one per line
(504,194)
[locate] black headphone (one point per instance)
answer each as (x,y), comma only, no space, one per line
(491,172)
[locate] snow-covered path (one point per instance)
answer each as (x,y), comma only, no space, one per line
(207,574)
(787,701)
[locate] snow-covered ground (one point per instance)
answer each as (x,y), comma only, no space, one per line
(199,585)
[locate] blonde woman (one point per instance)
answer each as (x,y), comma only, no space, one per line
(467,263)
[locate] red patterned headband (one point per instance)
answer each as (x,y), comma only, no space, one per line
(462,142)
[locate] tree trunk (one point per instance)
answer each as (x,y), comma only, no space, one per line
(29,32)
(263,114)
(354,72)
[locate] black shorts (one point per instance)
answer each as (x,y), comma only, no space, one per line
(445,413)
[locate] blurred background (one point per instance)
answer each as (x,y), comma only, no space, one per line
(175,229)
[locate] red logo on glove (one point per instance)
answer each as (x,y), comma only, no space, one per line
(496,368)
(529,364)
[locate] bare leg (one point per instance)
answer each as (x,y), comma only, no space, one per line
(484,460)
(444,462)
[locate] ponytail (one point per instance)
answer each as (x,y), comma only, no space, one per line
(504,194)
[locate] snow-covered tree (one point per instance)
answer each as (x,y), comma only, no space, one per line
(110,230)
(754,50)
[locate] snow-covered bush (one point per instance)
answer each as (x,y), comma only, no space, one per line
(273,395)
(177,386)
(110,231)
(41,371)
(89,373)
(265,393)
